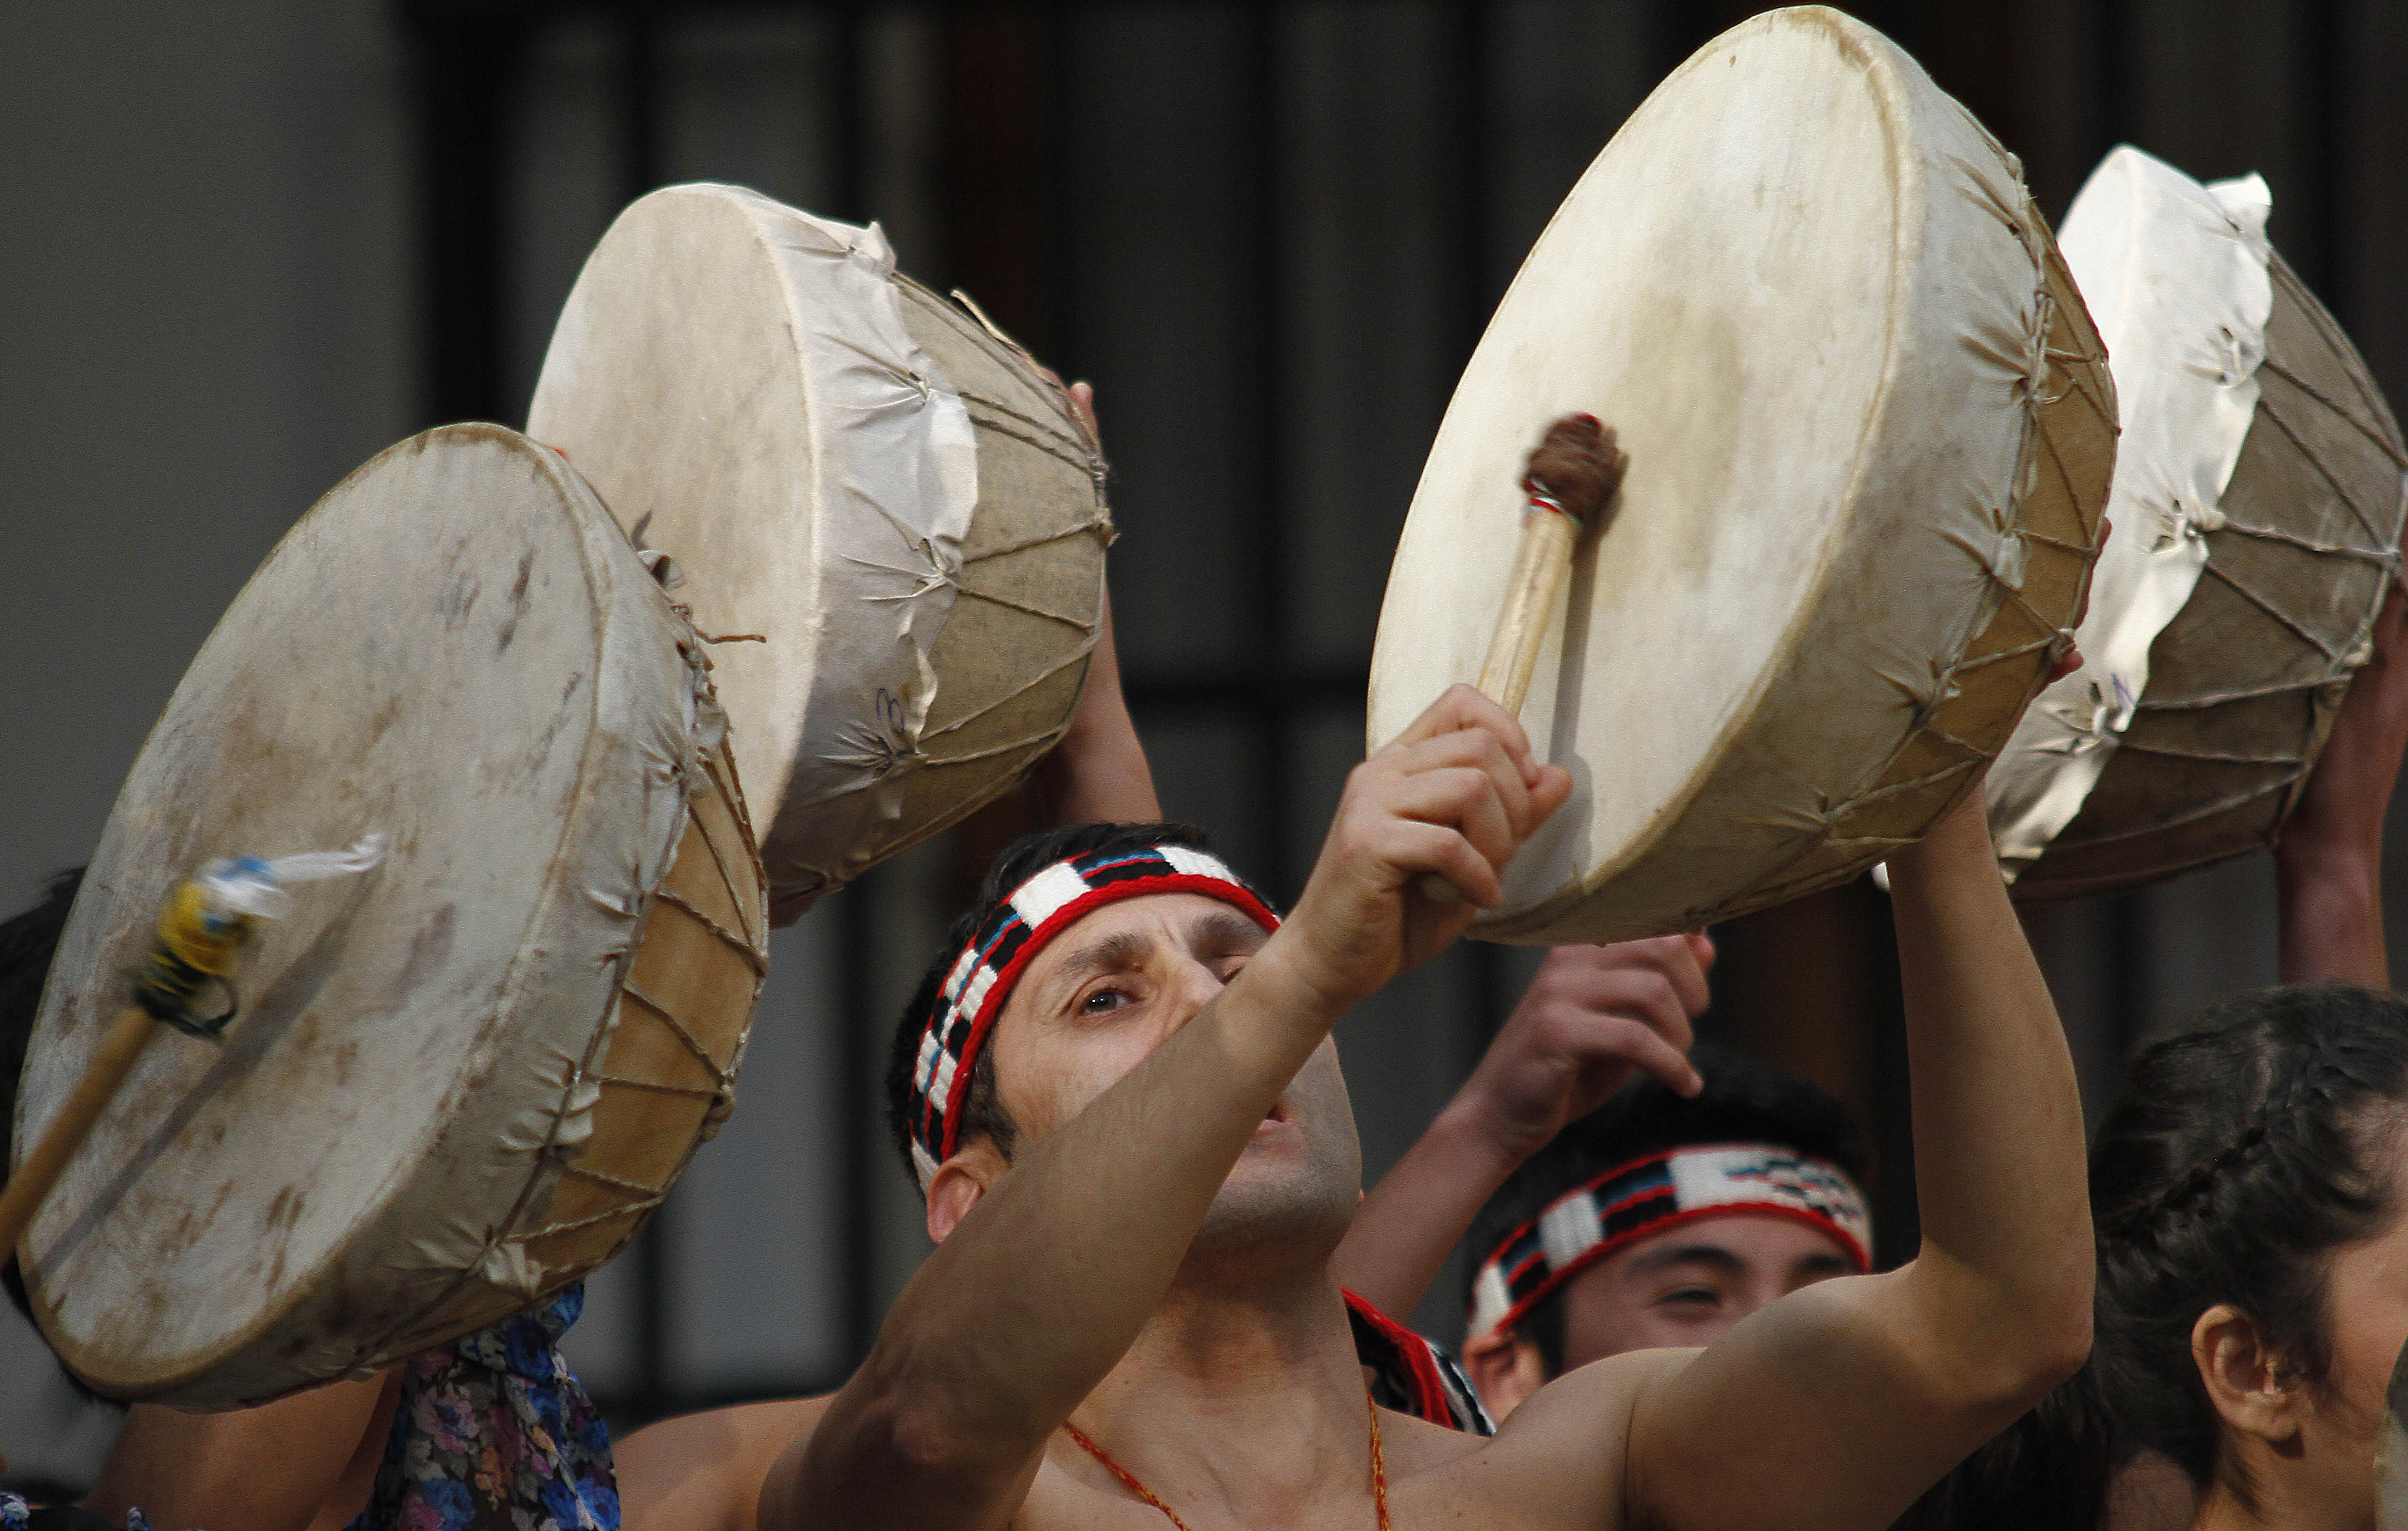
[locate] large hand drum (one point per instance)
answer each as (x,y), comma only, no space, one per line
(457,1081)
(890,515)
(2256,509)
(1871,432)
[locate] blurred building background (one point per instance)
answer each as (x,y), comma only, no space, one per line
(246,246)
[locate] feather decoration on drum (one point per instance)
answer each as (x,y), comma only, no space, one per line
(2257,505)
(1870,431)
(888,520)
(462,1073)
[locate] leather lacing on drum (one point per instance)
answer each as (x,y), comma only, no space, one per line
(870,748)
(721,1093)
(2341,660)
(1828,855)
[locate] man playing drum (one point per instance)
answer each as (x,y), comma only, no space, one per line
(1139,1160)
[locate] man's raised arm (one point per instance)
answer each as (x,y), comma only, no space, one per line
(1835,1407)
(1035,1295)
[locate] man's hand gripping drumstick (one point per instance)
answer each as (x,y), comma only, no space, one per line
(1570,481)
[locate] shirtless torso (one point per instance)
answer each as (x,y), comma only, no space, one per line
(1150,1261)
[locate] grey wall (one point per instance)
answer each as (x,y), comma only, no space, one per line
(205,234)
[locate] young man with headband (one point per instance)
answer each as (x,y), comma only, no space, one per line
(1139,1160)
(1663,1220)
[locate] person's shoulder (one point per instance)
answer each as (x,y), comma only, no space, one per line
(703,1472)
(1557,1461)
(1615,1383)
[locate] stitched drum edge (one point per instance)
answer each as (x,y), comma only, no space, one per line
(2054,877)
(994,770)
(2057,519)
(2068,460)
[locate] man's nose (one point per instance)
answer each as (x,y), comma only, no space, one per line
(1192,985)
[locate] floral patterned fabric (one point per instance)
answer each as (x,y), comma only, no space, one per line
(16,1515)
(494,1433)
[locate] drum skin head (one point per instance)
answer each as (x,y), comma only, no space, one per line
(1870,431)
(455,648)
(885,520)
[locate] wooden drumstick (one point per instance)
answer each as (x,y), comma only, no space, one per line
(31,1180)
(1570,481)
(194,945)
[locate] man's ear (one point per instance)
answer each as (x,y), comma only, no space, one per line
(2246,1380)
(1506,1369)
(959,1182)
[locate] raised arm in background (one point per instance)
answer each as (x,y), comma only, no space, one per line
(1099,773)
(1832,1408)
(303,1463)
(1592,1017)
(2329,863)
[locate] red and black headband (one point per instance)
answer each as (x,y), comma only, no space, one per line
(1009,939)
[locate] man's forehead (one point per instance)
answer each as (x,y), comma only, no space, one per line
(1742,1235)
(1180,917)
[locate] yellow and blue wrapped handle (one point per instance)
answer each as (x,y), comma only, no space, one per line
(191,955)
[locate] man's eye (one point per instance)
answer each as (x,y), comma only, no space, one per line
(1693,1296)
(1103,1002)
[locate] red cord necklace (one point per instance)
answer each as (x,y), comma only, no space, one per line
(1129,1481)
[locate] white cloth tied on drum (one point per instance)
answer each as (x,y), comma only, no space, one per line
(736,377)
(2175,275)
(1812,297)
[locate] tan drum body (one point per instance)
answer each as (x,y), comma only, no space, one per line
(2244,681)
(1870,433)
(885,519)
(458,1080)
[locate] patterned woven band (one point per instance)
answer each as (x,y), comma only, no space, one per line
(1009,937)
(1661,1191)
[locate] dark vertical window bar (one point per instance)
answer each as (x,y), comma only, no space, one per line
(638,117)
(1262,377)
(2318,92)
(462,58)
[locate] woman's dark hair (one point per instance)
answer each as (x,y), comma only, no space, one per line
(1023,858)
(1744,1100)
(2236,1158)
(28,941)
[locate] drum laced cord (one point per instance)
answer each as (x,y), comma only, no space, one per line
(210,918)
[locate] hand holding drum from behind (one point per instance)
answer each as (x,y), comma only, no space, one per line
(1455,794)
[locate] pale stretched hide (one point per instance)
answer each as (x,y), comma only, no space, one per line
(1871,432)
(887,522)
(457,1081)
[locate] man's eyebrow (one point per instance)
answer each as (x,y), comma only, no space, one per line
(1712,1255)
(1228,931)
(1826,1265)
(1118,951)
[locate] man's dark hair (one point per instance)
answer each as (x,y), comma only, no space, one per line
(1745,1100)
(28,941)
(1023,858)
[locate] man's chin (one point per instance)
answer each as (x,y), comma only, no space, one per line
(1276,1200)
